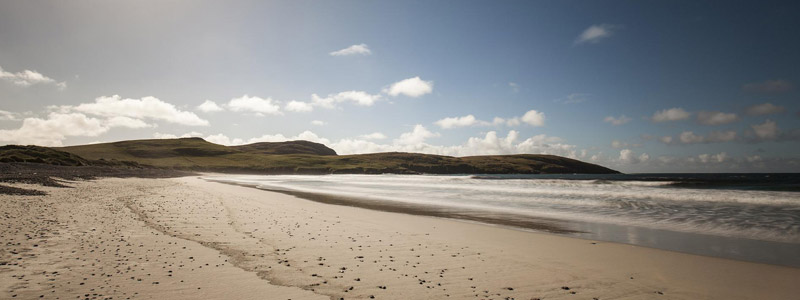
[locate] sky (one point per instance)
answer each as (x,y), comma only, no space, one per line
(637,86)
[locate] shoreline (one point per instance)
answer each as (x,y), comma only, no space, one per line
(480,217)
(736,248)
(255,243)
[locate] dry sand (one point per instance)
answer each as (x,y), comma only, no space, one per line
(187,238)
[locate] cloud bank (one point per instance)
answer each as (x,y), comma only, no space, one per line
(531,117)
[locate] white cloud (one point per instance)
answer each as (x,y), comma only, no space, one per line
(209,106)
(411,87)
(8,116)
(360,146)
(145,108)
(716,118)
(764,109)
(765,131)
(629,157)
(53,130)
(373,136)
(361,49)
(456,122)
(510,122)
(595,34)
(490,144)
(326,102)
(122,121)
(416,136)
(255,104)
(672,114)
(514,87)
(358,97)
(318,123)
(28,78)
(688,137)
(618,120)
(534,118)
(666,139)
(223,140)
(298,106)
(769,86)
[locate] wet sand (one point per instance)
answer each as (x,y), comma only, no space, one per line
(186,238)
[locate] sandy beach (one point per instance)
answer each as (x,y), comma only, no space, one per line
(187,238)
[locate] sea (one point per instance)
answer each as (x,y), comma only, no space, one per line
(750,217)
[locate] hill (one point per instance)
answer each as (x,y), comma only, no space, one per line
(303,157)
(291,147)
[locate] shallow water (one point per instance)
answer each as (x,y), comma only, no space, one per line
(752,217)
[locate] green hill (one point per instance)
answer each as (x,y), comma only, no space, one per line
(303,157)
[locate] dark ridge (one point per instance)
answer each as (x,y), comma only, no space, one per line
(544,164)
(291,147)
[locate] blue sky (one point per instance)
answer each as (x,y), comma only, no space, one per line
(640,86)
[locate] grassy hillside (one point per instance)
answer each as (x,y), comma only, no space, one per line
(42,155)
(304,157)
(293,147)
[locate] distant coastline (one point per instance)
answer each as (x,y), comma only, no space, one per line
(293,157)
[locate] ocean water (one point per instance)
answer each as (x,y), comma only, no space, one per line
(753,217)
